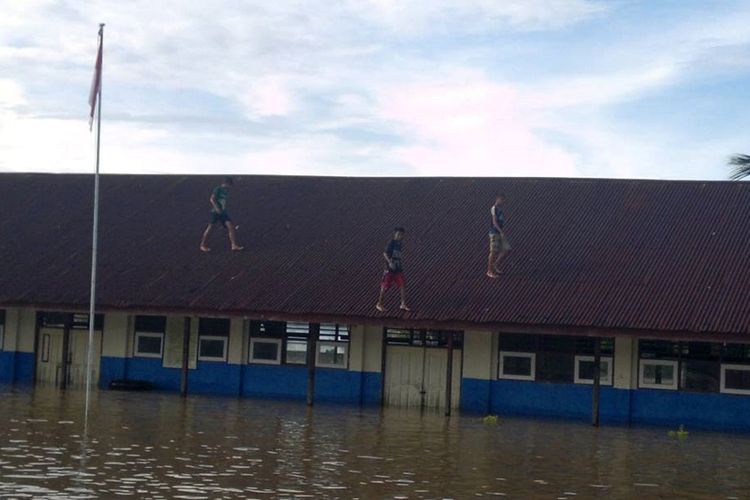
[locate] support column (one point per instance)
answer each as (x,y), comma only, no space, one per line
(597,382)
(449,377)
(66,351)
(312,350)
(185,358)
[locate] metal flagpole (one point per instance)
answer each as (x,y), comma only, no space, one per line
(94,236)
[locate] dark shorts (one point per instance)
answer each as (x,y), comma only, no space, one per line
(391,278)
(221,218)
(499,243)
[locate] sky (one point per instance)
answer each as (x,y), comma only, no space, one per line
(553,88)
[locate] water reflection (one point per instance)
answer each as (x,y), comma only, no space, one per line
(148,445)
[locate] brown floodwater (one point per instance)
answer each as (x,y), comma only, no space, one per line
(152,445)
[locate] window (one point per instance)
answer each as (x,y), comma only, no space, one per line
(296,342)
(735,369)
(278,342)
(2,329)
(213,339)
(265,351)
(735,379)
(333,346)
(553,358)
(149,345)
(688,366)
(517,365)
(79,321)
(422,338)
(267,342)
(584,370)
(700,368)
(658,374)
(149,336)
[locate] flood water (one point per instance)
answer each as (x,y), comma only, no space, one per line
(151,445)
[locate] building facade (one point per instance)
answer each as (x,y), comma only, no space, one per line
(651,275)
(643,381)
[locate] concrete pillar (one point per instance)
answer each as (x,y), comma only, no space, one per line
(117,346)
(236,341)
(626,363)
(367,358)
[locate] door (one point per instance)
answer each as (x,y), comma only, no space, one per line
(79,340)
(49,358)
(415,377)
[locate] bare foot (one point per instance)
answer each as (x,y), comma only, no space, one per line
(237,248)
(379,307)
(404,307)
(490,274)
(204,248)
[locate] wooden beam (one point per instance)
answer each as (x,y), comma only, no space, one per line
(449,377)
(312,351)
(185,358)
(597,382)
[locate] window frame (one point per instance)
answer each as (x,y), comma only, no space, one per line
(722,384)
(336,345)
(586,357)
(517,354)
(223,338)
(138,354)
(674,363)
(265,340)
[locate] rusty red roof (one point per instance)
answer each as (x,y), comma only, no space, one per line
(669,256)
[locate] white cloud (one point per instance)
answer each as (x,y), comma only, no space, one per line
(469,126)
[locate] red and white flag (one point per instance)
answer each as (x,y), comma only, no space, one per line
(96,83)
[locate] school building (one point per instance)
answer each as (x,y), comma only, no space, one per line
(654,273)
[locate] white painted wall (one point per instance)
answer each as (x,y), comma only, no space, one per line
(115,338)
(479,353)
(626,363)
(236,341)
(373,349)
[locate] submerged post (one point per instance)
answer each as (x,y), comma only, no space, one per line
(312,349)
(449,377)
(597,382)
(185,358)
(65,368)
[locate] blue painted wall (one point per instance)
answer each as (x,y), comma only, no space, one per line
(520,397)
(16,367)
(372,388)
(7,366)
(290,382)
(111,369)
(148,369)
(692,409)
(475,395)
(24,368)
(214,378)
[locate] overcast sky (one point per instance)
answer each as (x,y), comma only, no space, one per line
(646,89)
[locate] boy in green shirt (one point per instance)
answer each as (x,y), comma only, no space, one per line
(219,214)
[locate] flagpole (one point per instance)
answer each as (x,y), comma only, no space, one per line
(94,236)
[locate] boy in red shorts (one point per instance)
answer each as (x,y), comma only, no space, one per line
(393,274)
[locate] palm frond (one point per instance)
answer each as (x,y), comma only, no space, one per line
(741,164)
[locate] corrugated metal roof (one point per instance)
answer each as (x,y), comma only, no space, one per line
(591,253)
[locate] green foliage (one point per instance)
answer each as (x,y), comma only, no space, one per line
(680,433)
(491,420)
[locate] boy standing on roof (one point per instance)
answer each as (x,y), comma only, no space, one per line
(393,273)
(499,245)
(219,214)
